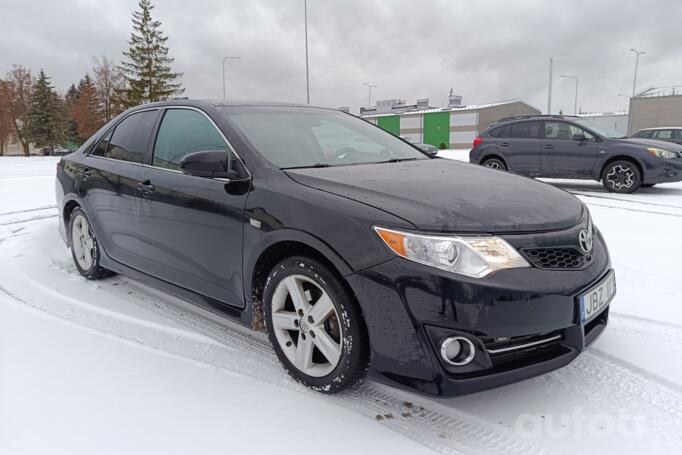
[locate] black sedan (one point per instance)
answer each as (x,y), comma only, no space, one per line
(431,274)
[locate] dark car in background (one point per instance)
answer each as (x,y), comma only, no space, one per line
(557,146)
(428,273)
(667,134)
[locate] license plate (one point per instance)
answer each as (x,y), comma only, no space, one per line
(597,298)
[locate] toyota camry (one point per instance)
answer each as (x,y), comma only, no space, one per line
(355,256)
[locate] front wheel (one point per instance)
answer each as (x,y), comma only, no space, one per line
(494,163)
(315,326)
(621,177)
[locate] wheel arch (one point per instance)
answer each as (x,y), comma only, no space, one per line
(67,210)
(615,158)
(287,244)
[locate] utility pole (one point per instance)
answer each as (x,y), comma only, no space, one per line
(634,82)
(307,74)
(369,96)
(225,59)
(549,93)
(575,102)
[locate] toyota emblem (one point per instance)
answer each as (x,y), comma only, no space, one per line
(585,241)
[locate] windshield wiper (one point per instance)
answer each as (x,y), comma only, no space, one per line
(306,166)
(398,160)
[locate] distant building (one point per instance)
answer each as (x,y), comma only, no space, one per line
(655,108)
(616,120)
(453,126)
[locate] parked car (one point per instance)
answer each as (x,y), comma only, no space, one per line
(559,146)
(427,148)
(667,134)
(57,151)
(431,274)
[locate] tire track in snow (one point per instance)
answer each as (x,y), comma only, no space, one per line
(231,349)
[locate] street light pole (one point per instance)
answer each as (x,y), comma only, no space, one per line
(549,93)
(634,82)
(227,57)
(307,74)
(575,103)
(369,96)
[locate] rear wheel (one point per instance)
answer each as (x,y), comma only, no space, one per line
(84,247)
(494,163)
(315,326)
(621,177)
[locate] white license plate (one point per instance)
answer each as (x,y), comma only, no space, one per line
(596,299)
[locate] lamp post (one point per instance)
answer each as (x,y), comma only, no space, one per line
(369,96)
(634,82)
(575,102)
(549,92)
(307,74)
(225,59)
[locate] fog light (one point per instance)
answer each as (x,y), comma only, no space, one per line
(457,351)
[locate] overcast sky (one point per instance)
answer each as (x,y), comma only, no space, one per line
(485,50)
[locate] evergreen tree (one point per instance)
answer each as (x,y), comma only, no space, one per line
(70,100)
(147,72)
(45,114)
(86,110)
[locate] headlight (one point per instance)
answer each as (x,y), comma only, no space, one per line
(474,256)
(667,154)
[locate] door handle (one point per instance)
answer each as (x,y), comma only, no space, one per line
(548,146)
(146,188)
(504,144)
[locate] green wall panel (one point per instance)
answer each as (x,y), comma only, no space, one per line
(437,129)
(390,123)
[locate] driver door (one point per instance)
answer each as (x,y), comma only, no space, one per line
(191,227)
(563,155)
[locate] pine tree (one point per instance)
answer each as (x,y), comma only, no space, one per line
(147,72)
(45,115)
(71,130)
(86,110)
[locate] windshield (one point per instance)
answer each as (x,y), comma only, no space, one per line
(290,137)
(600,129)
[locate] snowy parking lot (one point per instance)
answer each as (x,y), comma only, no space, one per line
(115,367)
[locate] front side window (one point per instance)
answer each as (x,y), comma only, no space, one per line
(130,138)
(565,131)
(662,134)
(302,137)
(525,130)
(184,131)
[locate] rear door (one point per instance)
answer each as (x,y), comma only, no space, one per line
(519,143)
(107,183)
(191,227)
(564,154)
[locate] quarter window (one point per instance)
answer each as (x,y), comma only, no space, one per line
(525,130)
(184,131)
(130,139)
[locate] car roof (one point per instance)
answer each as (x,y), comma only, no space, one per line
(216,103)
(661,128)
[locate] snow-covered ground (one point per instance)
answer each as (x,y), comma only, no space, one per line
(117,367)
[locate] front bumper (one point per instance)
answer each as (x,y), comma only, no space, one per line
(410,309)
(662,171)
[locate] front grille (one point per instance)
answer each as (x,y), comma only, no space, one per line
(556,258)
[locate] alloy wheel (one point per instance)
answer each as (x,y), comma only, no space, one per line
(620,177)
(82,242)
(307,325)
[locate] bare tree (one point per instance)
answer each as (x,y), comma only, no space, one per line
(110,83)
(20,88)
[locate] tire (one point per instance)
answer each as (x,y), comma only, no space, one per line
(621,176)
(494,163)
(84,247)
(335,350)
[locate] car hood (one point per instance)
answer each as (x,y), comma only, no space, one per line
(653,143)
(440,195)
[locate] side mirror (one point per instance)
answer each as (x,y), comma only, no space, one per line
(579,137)
(210,164)
(428,149)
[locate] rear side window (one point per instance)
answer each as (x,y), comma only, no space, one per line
(130,138)
(527,130)
(184,131)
